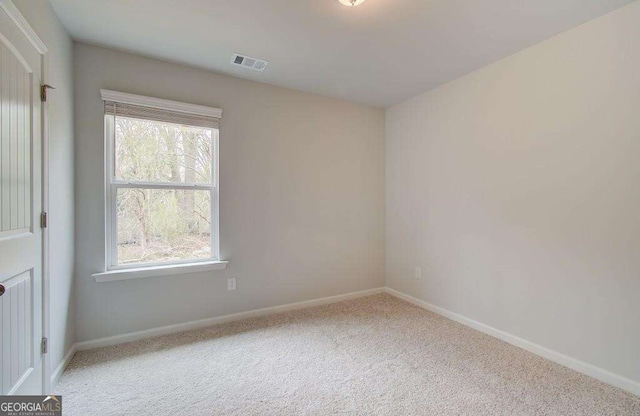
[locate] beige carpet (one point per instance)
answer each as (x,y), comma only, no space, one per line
(371,356)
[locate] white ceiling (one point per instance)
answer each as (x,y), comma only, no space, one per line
(378,53)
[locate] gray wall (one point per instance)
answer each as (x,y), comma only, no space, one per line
(301,188)
(516,189)
(41,17)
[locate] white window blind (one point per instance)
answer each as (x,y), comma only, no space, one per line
(157,114)
(157,109)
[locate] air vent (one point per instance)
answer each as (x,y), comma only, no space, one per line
(249,62)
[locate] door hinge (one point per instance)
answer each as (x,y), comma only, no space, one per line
(43,220)
(43,92)
(45,345)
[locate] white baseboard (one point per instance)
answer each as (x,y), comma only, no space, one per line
(577,365)
(55,376)
(203,323)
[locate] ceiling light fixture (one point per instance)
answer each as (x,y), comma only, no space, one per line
(351,3)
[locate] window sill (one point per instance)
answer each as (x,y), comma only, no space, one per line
(155,271)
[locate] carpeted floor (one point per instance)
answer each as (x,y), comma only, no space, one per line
(371,356)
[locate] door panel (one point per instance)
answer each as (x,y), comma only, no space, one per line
(17,326)
(21,312)
(15,144)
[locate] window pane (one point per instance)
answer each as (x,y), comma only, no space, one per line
(156,225)
(151,151)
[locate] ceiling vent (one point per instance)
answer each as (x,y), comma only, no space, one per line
(249,62)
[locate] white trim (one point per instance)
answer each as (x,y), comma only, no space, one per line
(168,264)
(203,323)
(215,195)
(12,11)
(156,271)
(46,236)
(163,185)
(575,364)
(143,101)
(109,207)
(62,366)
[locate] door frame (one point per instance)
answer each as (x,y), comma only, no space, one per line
(21,23)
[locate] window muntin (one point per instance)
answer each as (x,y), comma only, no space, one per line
(162,192)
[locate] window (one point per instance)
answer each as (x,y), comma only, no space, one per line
(162,182)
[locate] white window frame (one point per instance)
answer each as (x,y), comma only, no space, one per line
(113,184)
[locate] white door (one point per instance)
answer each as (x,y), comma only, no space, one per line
(20,207)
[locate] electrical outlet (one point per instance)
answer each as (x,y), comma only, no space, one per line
(231,283)
(417,273)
